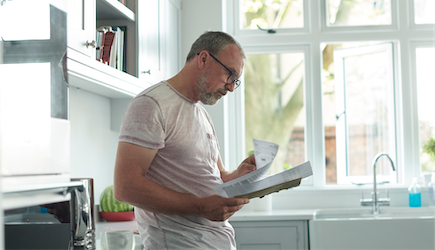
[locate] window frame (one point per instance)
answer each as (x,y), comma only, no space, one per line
(412,24)
(414,45)
(342,138)
(243,32)
(237,115)
(403,35)
(358,28)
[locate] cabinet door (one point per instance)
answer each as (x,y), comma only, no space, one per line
(151,33)
(81,26)
(271,235)
(173,20)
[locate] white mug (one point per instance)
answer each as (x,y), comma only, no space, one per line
(119,240)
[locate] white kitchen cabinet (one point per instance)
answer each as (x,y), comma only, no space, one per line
(151,40)
(84,71)
(81,27)
(159,39)
(173,60)
(153,45)
(283,235)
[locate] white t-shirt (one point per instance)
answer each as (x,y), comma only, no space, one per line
(162,118)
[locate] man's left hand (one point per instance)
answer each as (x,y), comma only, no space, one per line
(247,166)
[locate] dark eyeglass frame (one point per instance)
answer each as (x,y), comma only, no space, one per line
(236,81)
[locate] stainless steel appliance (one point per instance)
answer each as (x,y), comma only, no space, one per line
(82,220)
(71,224)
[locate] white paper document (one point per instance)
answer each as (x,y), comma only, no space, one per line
(257,181)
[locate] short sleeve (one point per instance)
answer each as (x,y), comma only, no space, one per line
(143,124)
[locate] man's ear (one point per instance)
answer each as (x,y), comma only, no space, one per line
(202,60)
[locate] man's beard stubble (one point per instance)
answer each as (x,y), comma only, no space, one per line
(206,97)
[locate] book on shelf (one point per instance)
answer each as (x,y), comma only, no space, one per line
(257,183)
(124,51)
(111,46)
(114,49)
(100,36)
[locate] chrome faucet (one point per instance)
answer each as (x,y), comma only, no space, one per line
(375,202)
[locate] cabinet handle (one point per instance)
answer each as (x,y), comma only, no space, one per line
(146,72)
(92,44)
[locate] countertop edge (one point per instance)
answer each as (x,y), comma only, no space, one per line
(273,215)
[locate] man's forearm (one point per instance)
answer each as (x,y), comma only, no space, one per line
(153,197)
(229,175)
(150,196)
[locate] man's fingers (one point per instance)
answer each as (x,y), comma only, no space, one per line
(251,159)
(236,201)
(219,208)
(252,167)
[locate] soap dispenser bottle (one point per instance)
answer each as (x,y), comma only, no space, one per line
(431,187)
(414,194)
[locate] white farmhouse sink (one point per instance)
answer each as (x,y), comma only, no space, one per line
(357,228)
(366,213)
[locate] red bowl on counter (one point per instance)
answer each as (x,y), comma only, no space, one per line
(118,216)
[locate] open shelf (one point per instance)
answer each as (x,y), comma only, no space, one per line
(95,77)
(114,10)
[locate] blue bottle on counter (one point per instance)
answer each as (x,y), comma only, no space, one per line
(414,194)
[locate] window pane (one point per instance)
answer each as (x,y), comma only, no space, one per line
(358,12)
(19,28)
(369,110)
(424,11)
(426,115)
(271,14)
(274,105)
(328,107)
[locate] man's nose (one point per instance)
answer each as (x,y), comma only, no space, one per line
(230,87)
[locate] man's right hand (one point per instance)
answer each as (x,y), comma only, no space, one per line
(218,208)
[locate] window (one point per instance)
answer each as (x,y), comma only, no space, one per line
(365,124)
(269,16)
(358,117)
(425,85)
(424,11)
(358,13)
(274,105)
(16,115)
(31,10)
(363,88)
(272,14)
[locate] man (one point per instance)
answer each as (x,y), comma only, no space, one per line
(168,160)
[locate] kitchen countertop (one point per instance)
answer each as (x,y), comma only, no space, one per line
(287,214)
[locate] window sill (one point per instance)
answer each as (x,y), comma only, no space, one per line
(305,197)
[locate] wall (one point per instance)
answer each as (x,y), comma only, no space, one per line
(198,16)
(93,143)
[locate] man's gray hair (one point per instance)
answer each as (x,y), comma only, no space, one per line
(214,42)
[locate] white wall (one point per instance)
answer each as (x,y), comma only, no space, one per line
(93,143)
(198,16)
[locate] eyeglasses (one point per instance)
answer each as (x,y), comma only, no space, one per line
(233,77)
